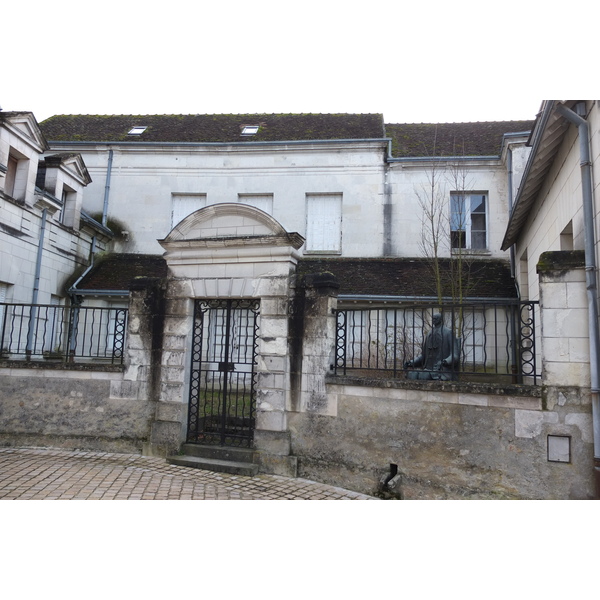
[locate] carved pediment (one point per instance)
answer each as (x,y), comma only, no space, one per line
(25,126)
(226,221)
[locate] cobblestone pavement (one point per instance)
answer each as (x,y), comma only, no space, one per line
(49,474)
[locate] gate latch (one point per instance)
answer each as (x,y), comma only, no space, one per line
(226,367)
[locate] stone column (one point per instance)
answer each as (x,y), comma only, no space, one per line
(564,319)
(318,341)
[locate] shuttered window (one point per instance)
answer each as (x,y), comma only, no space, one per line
(263,202)
(324,223)
(184,205)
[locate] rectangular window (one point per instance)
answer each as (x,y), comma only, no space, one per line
(184,205)
(263,202)
(17,173)
(324,223)
(468,220)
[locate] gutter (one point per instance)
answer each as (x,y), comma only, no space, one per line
(217,144)
(418,299)
(590,270)
(409,159)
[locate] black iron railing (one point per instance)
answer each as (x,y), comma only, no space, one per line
(497,341)
(62,333)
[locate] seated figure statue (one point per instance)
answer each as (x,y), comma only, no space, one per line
(440,354)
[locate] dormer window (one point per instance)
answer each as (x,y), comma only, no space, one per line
(250,129)
(138,130)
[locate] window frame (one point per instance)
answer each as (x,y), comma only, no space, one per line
(466,219)
(312,246)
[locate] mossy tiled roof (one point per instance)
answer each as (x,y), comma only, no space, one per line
(410,277)
(213,128)
(403,277)
(116,272)
(451,139)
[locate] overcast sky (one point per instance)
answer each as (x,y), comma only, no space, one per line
(435,62)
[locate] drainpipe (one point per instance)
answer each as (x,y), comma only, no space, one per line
(516,373)
(509,160)
(590,270)
(36,286)
(107,188)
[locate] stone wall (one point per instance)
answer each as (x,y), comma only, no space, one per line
(90,405)
(447,440)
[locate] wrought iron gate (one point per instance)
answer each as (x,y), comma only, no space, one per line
(222,403)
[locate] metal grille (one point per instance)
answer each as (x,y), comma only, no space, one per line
(497,341)
(62,333)
(222,403)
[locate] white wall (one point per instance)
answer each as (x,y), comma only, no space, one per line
(408,180)
(143,181)
(559,203)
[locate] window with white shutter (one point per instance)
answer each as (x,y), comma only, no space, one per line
(184,205)
(324,223)
(263,202)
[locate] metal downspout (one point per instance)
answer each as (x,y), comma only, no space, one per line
(515,314)
(36,285)
(107,188)
(590,274)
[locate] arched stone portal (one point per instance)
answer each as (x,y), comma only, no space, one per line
(222,252)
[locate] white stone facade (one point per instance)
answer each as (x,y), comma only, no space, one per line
(29,213)
(556,220)
(152,186)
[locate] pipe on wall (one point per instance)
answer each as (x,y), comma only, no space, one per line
(36,284)
(107,188)
(590,269)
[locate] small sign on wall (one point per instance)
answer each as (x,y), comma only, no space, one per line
(559,448)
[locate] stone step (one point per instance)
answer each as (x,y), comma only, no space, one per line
(214,464)
(226,453)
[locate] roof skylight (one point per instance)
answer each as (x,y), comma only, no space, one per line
(250,129)
(138,130)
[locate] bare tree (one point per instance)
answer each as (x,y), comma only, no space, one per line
(443,226)
(434,224)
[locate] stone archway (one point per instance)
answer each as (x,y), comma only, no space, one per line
(230,251)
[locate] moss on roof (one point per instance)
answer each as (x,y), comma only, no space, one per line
(451,139)
(213,128)
(410,277)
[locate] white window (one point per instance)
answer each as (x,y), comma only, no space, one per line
(250,129)
(468,220)
(138,130)
(324,223)
(263,202)
(184,205)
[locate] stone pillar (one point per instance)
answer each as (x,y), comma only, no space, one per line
(168,429)
(318,342)
(144,342)
(564,319)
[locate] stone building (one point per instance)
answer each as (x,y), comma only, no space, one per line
(260,256)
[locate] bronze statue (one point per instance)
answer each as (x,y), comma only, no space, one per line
(440,354)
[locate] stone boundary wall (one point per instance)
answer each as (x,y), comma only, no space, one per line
(447,440)
(72,406)
(90,405)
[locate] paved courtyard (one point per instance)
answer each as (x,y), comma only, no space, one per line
(51,474)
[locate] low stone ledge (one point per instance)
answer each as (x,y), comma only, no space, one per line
(61,366)
(488,389)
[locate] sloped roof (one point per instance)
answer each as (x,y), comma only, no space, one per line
(116,272)
(451,139)
(550,130)
(213,128)
(409,277)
